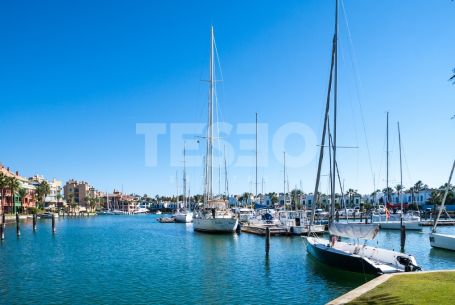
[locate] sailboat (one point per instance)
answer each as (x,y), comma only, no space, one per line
(349,256)
(396,221)
(439,240)
(184,215)
(214,216)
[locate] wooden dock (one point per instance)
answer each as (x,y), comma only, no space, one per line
(260,229)
(441,222)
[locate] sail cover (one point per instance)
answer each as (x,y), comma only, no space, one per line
(354,230)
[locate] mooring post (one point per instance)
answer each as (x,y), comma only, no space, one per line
(403,236)
(267,240)
(53,223)
(361,216)
(2,231)
(34,221)
(18,225)
(3,221)
(353,214)
(337,216)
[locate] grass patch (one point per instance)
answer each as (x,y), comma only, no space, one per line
(424,288)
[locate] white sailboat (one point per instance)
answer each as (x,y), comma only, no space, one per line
(389,222)
(184,215)
(215,215)
(439,240)
(349,256)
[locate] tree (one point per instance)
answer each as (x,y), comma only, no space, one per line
(351,194)
(453,76)
(59,197)
(69,201)
(42,190)
(3,186)
(436,197)
(22,193)
(13,185)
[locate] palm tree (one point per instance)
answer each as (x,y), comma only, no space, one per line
(3,186)
(69,201)
(351,193)
(59,197)
(22,193)
(13,185)
(42,190)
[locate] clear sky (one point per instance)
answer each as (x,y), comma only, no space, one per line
(77,76)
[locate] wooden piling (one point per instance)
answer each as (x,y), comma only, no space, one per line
(3,221)
(403,236)
(53,223)
(34,222)
(267,240)
(353,214)
(2,231)
(18,225)
(337,216)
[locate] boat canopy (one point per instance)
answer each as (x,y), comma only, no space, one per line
(354,230)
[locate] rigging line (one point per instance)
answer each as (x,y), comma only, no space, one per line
(357,84)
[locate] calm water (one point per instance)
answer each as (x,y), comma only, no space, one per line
(136,260)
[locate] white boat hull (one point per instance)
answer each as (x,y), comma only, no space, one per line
(184,217)
(443,241)
(215,225)
(396,225)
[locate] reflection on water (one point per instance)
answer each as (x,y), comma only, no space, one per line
(136,260)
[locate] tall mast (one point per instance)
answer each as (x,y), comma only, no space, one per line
(209,170)
(335,89)
(184,175)
(226,185)
(324,131)
(387,152)
(177,205)
(284,179)
(256,154)
(401,174)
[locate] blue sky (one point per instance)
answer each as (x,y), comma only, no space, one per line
(77,76)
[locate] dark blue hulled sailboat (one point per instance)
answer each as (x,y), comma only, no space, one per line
(356,257)
(349,256)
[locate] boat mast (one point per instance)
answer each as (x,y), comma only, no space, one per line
(177,205)
(184,176)
(208,166)
(443,199)
(284,179)
(387,152)
(335,93)
(256,154)
(226,185)
(324,130)
(401,175)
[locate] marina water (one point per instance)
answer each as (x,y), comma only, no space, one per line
(136,260)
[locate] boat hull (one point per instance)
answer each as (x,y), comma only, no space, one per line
(215,225)
(443,241)
(184,217)
(345,262)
